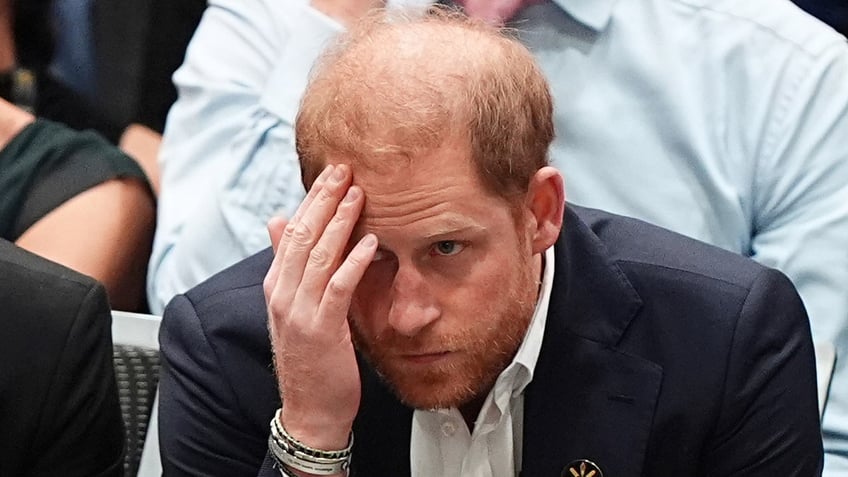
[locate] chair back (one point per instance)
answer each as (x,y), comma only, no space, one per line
(136,359)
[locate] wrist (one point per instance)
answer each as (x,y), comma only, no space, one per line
(295,458)
(315,432)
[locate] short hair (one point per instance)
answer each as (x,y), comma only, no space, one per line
(396,85)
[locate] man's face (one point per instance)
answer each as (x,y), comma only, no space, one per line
(444,306)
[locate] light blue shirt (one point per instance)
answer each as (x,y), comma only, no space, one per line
(724,120)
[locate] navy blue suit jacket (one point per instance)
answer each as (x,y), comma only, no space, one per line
(662,356)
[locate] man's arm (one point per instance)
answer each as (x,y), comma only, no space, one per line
(82,431)
(801,203)
(227,159)
(769,419)
(201,431)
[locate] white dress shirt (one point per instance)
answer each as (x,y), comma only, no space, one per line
(441,443)
(724,120)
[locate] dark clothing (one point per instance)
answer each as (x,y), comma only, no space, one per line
(832,12)
(46,164)
(662,356)
(138,46)
(172,24)
(59,409)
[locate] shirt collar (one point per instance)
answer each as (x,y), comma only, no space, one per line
(595,14)
(528,353)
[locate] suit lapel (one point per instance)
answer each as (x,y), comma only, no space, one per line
(382,429)
(587,400)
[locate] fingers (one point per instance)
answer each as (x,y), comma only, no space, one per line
(280,244)
(303,232)
(275,231)
(339,290)
(325,256)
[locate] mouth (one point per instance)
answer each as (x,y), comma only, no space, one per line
(425,358)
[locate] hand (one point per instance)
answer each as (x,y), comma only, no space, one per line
(346,12)
(308,290)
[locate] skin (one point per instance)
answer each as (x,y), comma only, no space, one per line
(143,143)
(111,245)
(7,37)
(451,264)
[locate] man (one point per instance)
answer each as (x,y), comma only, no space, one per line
(435,309)
(59,409)
(722,120)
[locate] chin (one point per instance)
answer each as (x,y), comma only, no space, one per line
(440,386)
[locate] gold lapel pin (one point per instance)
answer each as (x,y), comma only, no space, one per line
(582,468)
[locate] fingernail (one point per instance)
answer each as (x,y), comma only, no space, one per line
(352,194)
(369,240)
(325,173)
(339,174)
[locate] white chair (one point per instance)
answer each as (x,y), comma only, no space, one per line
(135,338)
(825,360)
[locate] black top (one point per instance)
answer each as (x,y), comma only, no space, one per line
(59,409)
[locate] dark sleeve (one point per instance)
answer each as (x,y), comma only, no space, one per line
(81,432)
(172,24)
(769,422)
(201,431)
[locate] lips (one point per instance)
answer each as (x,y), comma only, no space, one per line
(425,358)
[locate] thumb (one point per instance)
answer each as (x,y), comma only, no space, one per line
(276,226)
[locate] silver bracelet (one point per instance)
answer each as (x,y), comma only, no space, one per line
(290,453)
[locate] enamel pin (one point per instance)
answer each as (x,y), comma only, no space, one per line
(582,468)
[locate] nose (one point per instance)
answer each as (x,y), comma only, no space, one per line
(413,306)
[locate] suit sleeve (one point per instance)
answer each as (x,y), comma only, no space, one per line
(82,431)
(201,430)
(769,422)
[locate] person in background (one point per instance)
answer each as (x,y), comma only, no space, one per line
(100,65)
(723,120)
(59,408)
(73,198)
(435,308)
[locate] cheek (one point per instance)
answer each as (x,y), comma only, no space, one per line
(370,305)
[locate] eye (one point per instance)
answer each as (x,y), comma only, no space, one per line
(446,248)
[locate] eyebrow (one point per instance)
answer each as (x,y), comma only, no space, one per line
(450,229)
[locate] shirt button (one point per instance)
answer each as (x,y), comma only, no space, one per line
(448,428)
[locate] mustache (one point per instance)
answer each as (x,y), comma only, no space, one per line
(389,342)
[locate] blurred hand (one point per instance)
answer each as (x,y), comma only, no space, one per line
(308,290)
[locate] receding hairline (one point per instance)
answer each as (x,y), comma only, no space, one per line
(398,85)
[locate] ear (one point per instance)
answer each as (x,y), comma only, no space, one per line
(546,204)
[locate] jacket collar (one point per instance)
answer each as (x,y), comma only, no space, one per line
(588,400)
(585,392)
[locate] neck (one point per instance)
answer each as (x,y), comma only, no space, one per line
(471,409)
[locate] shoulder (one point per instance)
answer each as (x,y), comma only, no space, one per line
(227,312)
(778,20)
(232,287)
(33,285)
(635,245)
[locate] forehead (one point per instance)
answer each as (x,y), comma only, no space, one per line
(433,192)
